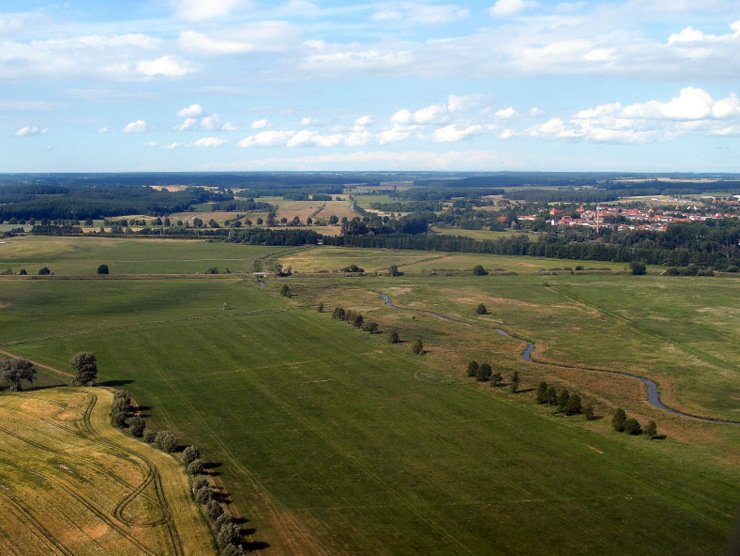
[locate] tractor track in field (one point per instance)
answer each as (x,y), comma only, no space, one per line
(152,477)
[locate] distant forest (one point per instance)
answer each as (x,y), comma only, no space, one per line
(57,202)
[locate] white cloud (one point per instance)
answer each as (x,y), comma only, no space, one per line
(309,121)
(505,8)
(693,111)
(192,111)
(403,116)
(299,7)
(306,138)
(30,131)
(272,138)
(137,126)
(263,36)
(167,66)
(197,10)
(211,142)
(211,122)
(260,124)
(506,113)
(452,133)
(396,133)
(103,130)
(363,121)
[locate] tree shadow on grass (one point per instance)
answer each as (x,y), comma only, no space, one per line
(116,383)
(253,546)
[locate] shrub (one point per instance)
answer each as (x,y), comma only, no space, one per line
(473,368)
(229,534)
(618,421)
(199,483)
(103,269)
(394,338)
(478,270)
(190,454)
(166,441)
(631,426)
(484,372)
(214,510)
(418,347)
(204,495)
(195,467)
(481,309)
(136,425)
(589,412)
(149,437)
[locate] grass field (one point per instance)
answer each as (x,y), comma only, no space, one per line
(74,485)
(482,235)
(332,441)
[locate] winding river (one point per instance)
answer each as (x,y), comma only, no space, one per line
(652,387)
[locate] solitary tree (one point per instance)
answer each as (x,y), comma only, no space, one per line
(371,326)
(394,338)
(478,270)
(651,430)
(418,347)
(86,365)
(638,268)
(166,441)
(619,419)
(514,386)
(16,370)
(285,291)
(393,270)
(484,372)
(190,454)
(481,309)
(103,269)
(632,426)
(473,368)
(339,313)
(44,271)
(496,378)
(320,307)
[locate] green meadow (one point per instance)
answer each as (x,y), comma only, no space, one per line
(332,441)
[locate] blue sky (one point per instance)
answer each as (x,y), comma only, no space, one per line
(242,85)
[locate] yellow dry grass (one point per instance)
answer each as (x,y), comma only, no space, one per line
(70,483)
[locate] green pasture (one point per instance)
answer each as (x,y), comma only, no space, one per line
(67,255)
(314,259)
(482,235)
(330,440)
(682,331)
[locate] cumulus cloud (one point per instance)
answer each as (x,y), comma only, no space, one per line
(452,133)
(272,138)
(692,111)
(260,124)
(166,66)
(197,119)
(30,131)
(506,8)
(137,126)
(192,111)
(210,142)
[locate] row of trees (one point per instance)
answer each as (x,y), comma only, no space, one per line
(630,425)
(564,402)
(16,370)
(484,372)
(355,319)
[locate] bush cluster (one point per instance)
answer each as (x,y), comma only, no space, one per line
(563,400)
(622,423)
(355,319)
(227,532)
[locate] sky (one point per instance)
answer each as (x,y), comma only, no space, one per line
(248,85)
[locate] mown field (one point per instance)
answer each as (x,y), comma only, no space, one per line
(74,485)
(332,441)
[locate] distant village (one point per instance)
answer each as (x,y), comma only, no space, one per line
(654,218)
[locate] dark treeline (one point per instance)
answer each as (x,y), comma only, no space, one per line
(240,205)
(95,201)
(437,194)
(714,243)
(408,206)
(562,195)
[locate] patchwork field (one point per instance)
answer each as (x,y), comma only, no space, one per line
(332,441)
(74,485)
